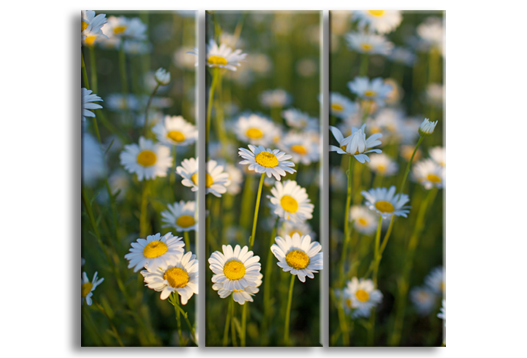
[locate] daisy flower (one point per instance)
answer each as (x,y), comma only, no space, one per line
(429,174)
(175,130)
(182,216)
(356,144)
(91,27)
(216,180)
(240,296)
(423,299)
(93,167)
(402,55)
(236,178)
(431,32)
(222,56)
(384,202)
(302,148)
(434,94)
(289,228)
(442,313)
(87,103)
(364,220)
(436,280)
(369,43)
(277,98)
(298,255)
(271,162)
(340,106)
(129,28)
(299,120)
(383,165)
(374,90)
(290,201)
(154,251)
(147,160)
(438,155)
(179,275)
(235,269)
(88,287)
(162,77)
(361,295)
(427,127)
(255,130)
(381,21)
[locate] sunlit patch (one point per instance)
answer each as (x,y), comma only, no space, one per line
(254,133)
(337,107)
(297,259)
(376,13)
(289,204)
(86,288)
(433,178)
(185,221)
(208,180)
(266,159)
(155,249)
(234,270)
(176,136)
(147,158)
(362,295)
(119,29)
(217,60)
(384,206)
(176,277)
(299,149)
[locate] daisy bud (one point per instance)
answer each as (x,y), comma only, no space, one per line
(427,127)
(162,76)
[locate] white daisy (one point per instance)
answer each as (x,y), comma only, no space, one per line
(216,180)
(255,130)
(340,106)
(87,103)
(436,280)
(381,21)
(429,174)
(175,130)
(88,287)
(427,127)
(91,27)
(289,228)
(407,151)
(120,103)
(361,295)
(147,160)
(302,147)
(179,275)
(182,216)
(240,296)
(298,255)
(154,251)
(356,144)
(93,167)
(369,43)
(442,313)
(162,77)
(402,55)
(434,94)
(374,90)
(129,28)
(431,32)
(299,120)
(384,202)
(222,56)
(271,162)
(235,269)
(236,178)
(438,155)
(383,165)
(423,299)
(364,220)
(290,201)
(277,98)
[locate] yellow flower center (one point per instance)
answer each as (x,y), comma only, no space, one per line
(362,295)
(422,296)
(337,107)
(208,180)
(237,291)
(433,178)
(234,270)
(297,259)
(295,232)
(366,47)
(84,25)
(343,148)
(217,60)
(185,221)
(89,40)
(176,277)
(377,13)
(254,133)
(176,136)
(119,29)
(370,93)
(300,149)
(362,222)
(155,249)
(384,206)
(381,168)
(289,204)
(146,158)
(266,159)
(86,288)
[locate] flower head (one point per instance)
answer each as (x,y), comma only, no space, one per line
(356,144)
(182,216)
(87,103)
(255,129)
(442,313)
(154,251)
(235,269)
(175,130)
(341,106)
(277,98)
(384,202)
(290,201)
(369,43)
(129,28)
(91,27)
(298,255)
(429,174)
(240,296)
(423,299)
(147,160)
(383,165)
(381,21)
(361,296)
(162,77)
(301,146)
(216,180)
(222,56)
(88,287)
(436,280)
(427,127)
(375,90)
(299,120)
(364,220)
(271,162)
(438,155)
(289,228)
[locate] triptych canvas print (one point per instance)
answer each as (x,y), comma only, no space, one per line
(301,219)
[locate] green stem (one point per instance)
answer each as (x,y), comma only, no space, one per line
(246,201)
(110,321)
(172,176)
(215,77)
(363,71)
(346,223)
(84,73)
(288,310)
(185,316)
(175,303)
(401,188)
(187,240)
(227,323)
(143,221)
(145,127)
(244,320)
(255,220)
(122,71)
(267,316)
(376,252)
(93,69)
(342,320)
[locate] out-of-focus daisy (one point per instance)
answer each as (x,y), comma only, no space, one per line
(119,102)
(260,63)
(147,160)
(91,27)
(179,275)
(222,56)
(255,130)
(340,106)
(88,287)
(154,251)
(277,98)
(290,201)
(129,28)
(302,148)
(384,202)
(429,174)
(423,299)
(298,255)
(236,178)
(183,59)
(162,76)
(271,162)
(92,160)
(364,220)
(427,127)
(407,150)
(442,313)
(402,55)
(182,216)
(369,43)
(356,144)
(436,280)
(434,94)
(235,269)
(299,120)
(381,21)
(374,90)
(216,180)
(383,165)
(388,121)
(431,32)
(175,130)
(361,295)
(438,155)
(289,228)
(87,103)
(230,40)
(240,296)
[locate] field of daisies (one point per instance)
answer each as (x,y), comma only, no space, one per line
(139,264)
(263,165)
(387,170)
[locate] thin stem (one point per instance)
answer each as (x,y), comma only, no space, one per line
(187,240)
(175,302)
(185,316)
(215,77)
(267,285)
(346,222)
(110,321)
(143,221)
(122,71)
(227,323)
(172,176)
(410,164)
(84,73)
(363,71)
(244,320)
(288,310)
(93,68)
(376,252)
(255,220)
(145,127)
